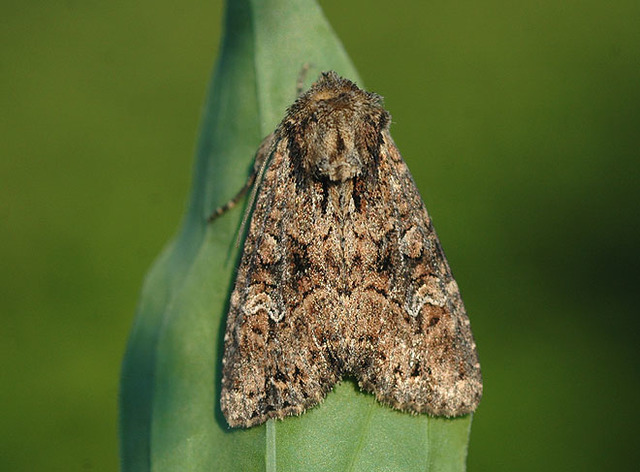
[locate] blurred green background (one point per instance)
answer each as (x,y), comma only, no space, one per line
(519,120)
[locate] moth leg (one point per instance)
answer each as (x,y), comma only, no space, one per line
(258,164)
(221,210)
(260,159)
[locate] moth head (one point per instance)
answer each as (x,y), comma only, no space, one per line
(336,128)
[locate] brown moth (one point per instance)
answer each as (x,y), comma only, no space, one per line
(342,273)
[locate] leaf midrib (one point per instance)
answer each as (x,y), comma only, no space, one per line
(360,446)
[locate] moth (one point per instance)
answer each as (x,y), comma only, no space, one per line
(342,274)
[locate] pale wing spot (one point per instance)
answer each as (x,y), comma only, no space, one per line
(430,293)
(411,244)
(452,287)
(268,250)
(262,301)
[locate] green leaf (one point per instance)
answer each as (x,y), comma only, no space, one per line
(170,418)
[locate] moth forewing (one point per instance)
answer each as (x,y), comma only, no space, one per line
(342,274)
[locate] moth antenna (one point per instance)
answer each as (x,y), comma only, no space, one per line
(301,76)
(255,180)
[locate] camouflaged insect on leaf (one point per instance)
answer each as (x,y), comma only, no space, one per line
(342,274)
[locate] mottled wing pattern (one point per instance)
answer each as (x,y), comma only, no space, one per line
(341,279)
(275,362)
(342,274)
(424,357)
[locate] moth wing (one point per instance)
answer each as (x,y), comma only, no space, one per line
(424,357)
(274,362)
